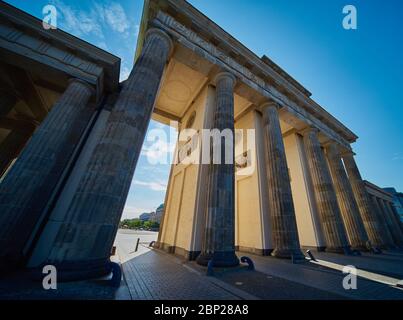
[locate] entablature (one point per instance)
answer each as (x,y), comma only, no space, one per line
(194,31)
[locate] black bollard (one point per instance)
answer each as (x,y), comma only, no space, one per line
(249,261)
(116,275)
(310,255)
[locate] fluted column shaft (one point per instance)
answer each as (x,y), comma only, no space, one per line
(88,229)
(368,214)
(325,196)
(281,206)
(219,239)
(11,147)
(27,187)
(388,239)
(395,215)
(353,223)
(394,228)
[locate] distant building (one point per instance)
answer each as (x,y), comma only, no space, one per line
(157,215)
(145,216)
(397,201)
(159,212)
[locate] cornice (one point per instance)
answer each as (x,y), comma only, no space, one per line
(280,80)
(31,25)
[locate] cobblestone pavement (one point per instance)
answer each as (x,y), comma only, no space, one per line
(273,278)
(152,274)
(389,263)
(327,279)
(21,287)
(269,287)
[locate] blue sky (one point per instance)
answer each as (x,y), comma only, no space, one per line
(357,75)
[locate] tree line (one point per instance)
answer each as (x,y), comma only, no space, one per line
(138,224)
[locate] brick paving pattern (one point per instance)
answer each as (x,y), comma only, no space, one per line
(154,275)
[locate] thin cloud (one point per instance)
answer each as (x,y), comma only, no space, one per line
(397,156)
(132,212)
(152,185)
(114,16)
(110,16)
(124,73)
(78,22)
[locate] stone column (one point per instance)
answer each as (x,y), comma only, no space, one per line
(395,215)
(87,230)
(281,206)
(371,223)
(219,239)
(387,236)
(27,187)
(356,233)
(394,228)
(11,147)
(325,196)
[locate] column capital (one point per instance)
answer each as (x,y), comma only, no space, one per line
(308,130)
(332,145)
(85,84)
(347,152)
(224,74)
(163,35)
(268,104)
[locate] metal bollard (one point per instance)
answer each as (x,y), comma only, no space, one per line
(310,255)
(249,261)
(116,275)
(137,244)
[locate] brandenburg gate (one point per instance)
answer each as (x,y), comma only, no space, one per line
(71,136)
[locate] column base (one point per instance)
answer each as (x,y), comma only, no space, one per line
(77,270)
(220,259)
(343,250)
(362,248)
(295,254)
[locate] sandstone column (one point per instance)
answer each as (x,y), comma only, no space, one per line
(219,239)
(325,196)
(394,228)
(368,214)
(387,236)
(27,187)
(356,233)
(281,206)
(82,246)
